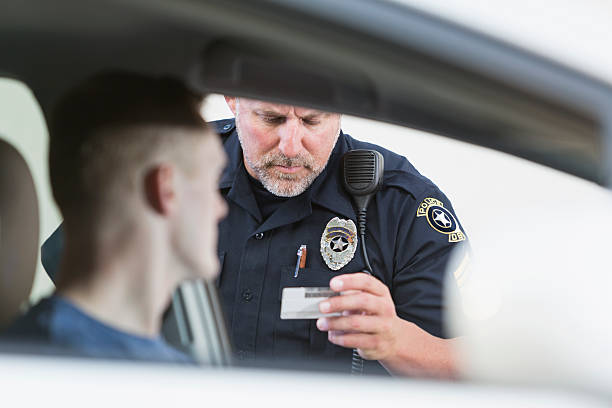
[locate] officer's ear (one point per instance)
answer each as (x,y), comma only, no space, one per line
(231,103)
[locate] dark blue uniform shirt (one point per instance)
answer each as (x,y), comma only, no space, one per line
(258,253)
(411,231)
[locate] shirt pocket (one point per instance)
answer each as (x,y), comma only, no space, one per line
(292,337)
(302,335)
(307,277)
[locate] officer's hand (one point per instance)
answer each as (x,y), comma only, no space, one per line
(368,322)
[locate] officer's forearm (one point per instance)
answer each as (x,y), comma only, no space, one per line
(418,353)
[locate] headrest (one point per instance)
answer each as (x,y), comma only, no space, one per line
(18,232)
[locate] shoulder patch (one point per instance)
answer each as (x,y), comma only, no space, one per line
(440,219)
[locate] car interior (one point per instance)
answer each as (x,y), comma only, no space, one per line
(18,232)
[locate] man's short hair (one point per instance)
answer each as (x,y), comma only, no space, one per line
(108,127)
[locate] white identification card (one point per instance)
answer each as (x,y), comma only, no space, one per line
(303,303)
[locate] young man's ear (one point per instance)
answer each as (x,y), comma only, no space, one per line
(231,103)
(160,189)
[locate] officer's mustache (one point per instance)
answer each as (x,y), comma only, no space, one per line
(279,159)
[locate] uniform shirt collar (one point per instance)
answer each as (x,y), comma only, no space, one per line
(234,160)
(328,189)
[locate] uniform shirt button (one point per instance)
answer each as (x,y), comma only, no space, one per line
(247,295)
(259,235)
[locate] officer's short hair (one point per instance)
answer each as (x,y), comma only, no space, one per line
(103,131)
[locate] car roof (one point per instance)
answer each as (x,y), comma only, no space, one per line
(573,33)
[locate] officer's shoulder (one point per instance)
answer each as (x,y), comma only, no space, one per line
(399,172)
(224,127)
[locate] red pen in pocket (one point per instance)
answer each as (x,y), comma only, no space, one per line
(301,260)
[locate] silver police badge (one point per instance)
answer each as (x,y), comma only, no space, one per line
(338,243)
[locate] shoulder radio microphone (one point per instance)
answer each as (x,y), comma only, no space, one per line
(363,173)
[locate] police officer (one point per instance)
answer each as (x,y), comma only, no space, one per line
(283,187)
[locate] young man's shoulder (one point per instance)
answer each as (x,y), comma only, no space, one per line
(36,331)
(35,325)
(57,325)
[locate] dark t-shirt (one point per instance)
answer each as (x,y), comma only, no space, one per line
(57,324)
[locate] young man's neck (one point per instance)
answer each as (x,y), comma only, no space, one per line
(126,286)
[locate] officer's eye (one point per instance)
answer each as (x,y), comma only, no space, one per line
(274,120)
(310,121)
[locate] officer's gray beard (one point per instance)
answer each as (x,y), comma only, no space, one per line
(283,184)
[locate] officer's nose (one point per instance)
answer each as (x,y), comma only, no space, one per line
(290,133)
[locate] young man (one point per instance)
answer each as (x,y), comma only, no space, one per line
(134,170)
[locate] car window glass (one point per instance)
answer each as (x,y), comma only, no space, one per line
(481,183)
